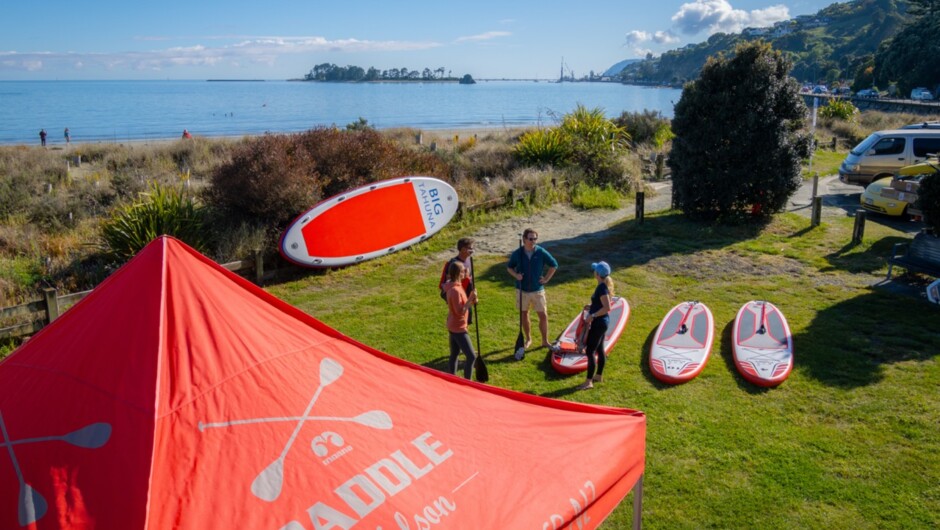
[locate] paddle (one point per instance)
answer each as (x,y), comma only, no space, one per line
(31,505)
(267,485)
(682,328)
(763,308)
(482,373)
(520,339)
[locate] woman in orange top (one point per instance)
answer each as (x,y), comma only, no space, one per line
(458,305)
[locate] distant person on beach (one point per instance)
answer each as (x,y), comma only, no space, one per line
(186,135)
(42,137)
(68,137)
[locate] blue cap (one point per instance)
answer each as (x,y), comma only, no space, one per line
(601,268)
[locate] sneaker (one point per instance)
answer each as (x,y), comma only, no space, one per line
(520,354)
(587,385)
(598,378)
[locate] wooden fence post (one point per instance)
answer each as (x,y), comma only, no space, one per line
(660,160)
(835,142)
(858,232)
(640,205)
(259,267)
(817,211)
(52,305)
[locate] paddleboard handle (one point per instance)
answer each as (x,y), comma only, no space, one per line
(682,327)
(763,309)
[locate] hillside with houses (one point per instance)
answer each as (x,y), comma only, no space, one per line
(828,47)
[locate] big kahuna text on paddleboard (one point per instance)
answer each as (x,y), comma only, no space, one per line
(369,489)
(431,200)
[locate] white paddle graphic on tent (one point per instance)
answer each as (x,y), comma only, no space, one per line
(32,505)
(267,485)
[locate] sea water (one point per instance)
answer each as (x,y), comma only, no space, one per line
(116,111)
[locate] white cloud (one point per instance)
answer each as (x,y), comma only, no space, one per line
(263,50)
(489,35)
(665,37)
(660,37)
(636,37)
(715,16)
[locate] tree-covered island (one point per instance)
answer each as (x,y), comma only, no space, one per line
(332,73)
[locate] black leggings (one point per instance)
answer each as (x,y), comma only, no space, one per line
(595,344)
(461,342)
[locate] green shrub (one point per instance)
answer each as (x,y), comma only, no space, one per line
(928,196)
(543,147)
(646,127)
(740,137)
(163,211)
(55,212)
(586,139)
(589,197)
(15,193)
(842,109)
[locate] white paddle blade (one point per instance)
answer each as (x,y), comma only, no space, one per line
(377,419)
(330,371)
(267,485)
(91,437)
(32,505)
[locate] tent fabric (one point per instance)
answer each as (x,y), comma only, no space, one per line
(179,395)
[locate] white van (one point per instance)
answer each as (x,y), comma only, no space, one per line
(885,152)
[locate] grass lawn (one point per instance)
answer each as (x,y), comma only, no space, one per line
(825,162)
(850,440)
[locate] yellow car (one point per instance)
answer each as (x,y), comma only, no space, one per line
(872,200)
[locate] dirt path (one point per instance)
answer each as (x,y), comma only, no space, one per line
(562,222)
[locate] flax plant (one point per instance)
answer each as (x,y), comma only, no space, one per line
(163,210)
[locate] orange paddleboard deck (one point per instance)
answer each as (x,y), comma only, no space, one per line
(369,222)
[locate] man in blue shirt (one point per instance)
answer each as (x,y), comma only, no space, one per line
(532,267)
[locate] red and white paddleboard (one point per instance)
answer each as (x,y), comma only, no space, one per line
(762,344)
(682,343)
(568,351)
(369,222)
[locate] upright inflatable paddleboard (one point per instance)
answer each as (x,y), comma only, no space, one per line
(682,343)
(568,351)
(369,222)
(762,344)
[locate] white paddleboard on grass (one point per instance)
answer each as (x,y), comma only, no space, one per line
(568,351)
(762,344)
(683,343)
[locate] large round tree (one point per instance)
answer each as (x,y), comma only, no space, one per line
(740,137)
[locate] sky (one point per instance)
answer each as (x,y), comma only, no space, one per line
(281,39)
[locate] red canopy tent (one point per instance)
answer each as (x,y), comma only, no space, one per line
(179,395)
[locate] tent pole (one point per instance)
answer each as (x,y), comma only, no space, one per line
(638,504)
